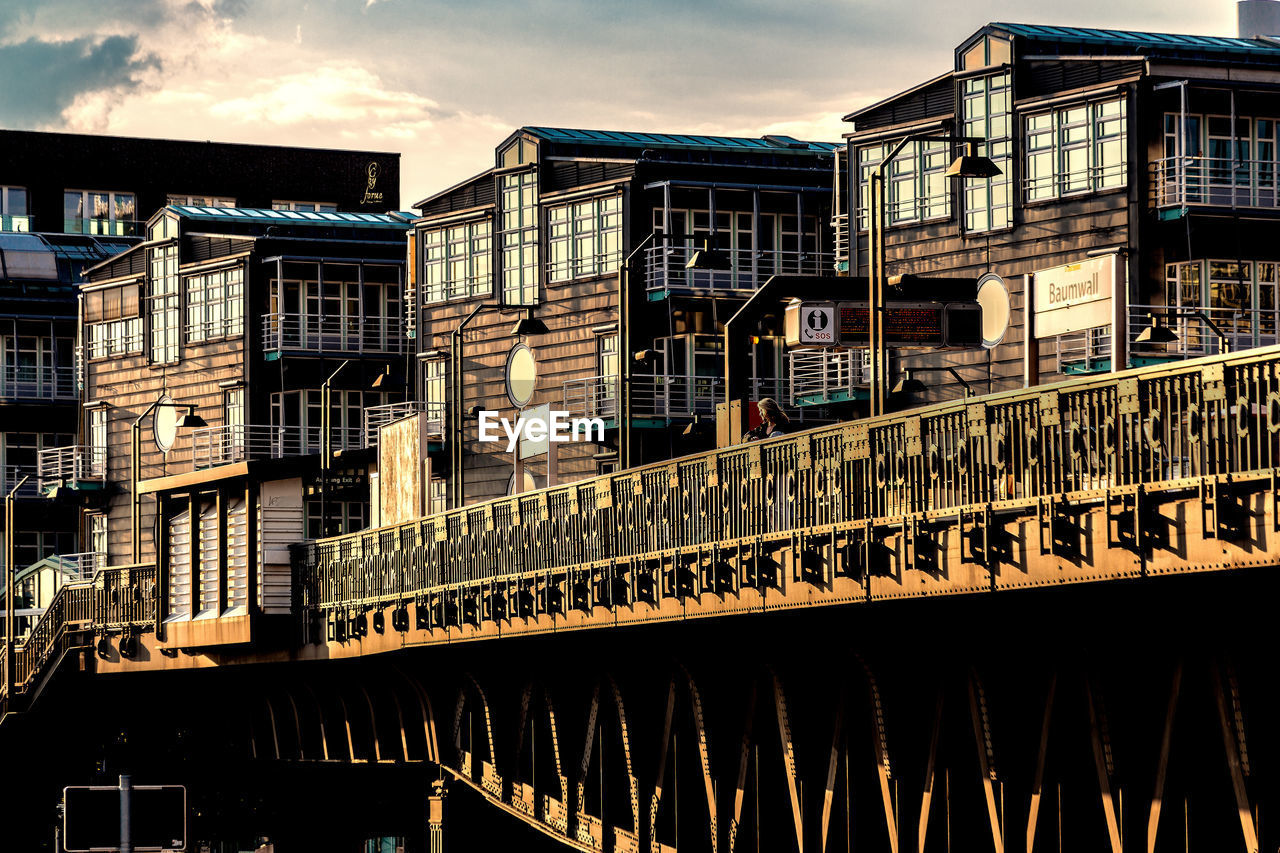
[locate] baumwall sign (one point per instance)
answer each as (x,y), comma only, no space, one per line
(1074,297)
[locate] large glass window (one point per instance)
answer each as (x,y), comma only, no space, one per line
(916,182)
(299,418)
(97,430)
(1207,160)
(585,238)
(335,307)
(37,364)
(1240,297)
(986,109)
(99,212)
(162,309)
(115,337)
(13,209)
(200,200)
(1081,148)
(456,261)
(519,197)
(215,305)
(305,206)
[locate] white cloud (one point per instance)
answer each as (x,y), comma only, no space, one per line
(337,93)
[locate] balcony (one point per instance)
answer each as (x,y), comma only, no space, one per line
(1179,182)
(310,333)
(82,566)
(75,466)
(11,475)
(675,396)
(14,222)
(38,383)
(1237,329)
(376,417)
(103,227)
(223,445)
(665,269)
(594,397)
(821,377)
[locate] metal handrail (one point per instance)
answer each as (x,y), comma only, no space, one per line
(222,445)
(376,417)
(314,333)
(664,268)
(819,376)
(592,397)
(1236,329)
(674,396)
(1215,181)
(1155,427)
(43,382)
(76,463)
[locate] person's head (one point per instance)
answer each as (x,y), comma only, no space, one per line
(770,411)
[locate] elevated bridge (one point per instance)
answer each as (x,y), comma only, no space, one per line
(775,674)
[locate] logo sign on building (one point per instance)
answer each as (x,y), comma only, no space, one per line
(1074,297)
(811,324)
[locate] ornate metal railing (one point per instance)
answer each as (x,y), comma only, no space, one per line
(1170,426)
(114,598)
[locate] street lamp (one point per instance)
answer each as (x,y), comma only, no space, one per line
(908,384)
(189,420)
(968,165)
(1157,333)
(11,593)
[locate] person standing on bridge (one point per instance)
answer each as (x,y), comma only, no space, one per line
(773,421)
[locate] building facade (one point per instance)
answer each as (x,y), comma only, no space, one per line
(591,234)
(68,202)
(229,357)
(1138,184)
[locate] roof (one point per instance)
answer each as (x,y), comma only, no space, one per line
(290,217)
(1135,40)
(61,258)
(634,139)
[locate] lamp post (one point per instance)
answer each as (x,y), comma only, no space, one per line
(624,350)
(11,593)
(968,165)
(1155,333)
(190,419)
(326,446)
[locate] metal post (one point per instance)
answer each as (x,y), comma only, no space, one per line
(326,446)
(126,814)
(11,594)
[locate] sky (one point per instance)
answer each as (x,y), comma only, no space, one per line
(443,82)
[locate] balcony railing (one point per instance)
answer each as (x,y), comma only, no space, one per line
(14,222)
(593,397)
(71,465)
(81,566)
(825,376)
(103,227)
(1240,329)
(376,417)
(675,396)
(1215,181)
(11,475)
(1085,351)
(312,333)
(56,382)
(223,445)
(665,268)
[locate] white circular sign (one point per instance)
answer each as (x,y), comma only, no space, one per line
(164,424)
(522,375)
(993,297)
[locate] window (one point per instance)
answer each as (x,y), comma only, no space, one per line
(233,416)
(456,261)
(115,337)
(519,197)
(37,365)
(345,307)
(1240,297)
(98,534)
(13,209)
(1207,160)
(433,384)
(163,303)
(99,212)
(438,495)
(917,188)
(988,51)
(200,200)
(607,365)
(585,238)
(97,441)
(1082,148)
(305,206)
(985,104)
(215,305)
(521,152)
(344,517)
(299,417)
(19,452)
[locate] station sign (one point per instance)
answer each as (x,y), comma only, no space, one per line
(907,325)
(1074,297)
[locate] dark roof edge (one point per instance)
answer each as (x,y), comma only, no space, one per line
(896,96)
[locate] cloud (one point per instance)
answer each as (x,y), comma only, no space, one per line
(54,73)
(335,94)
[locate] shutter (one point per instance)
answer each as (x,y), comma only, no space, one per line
(237,555)
(180,566)
(208,559)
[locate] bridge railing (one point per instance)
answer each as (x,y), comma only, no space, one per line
(1155,427)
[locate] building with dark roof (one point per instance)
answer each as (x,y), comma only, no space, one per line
(229,357)
(590,233)
(1138,181)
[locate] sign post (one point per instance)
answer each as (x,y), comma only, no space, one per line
(101,818)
